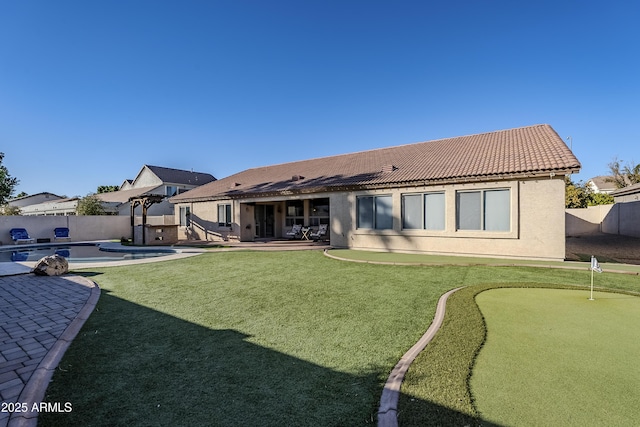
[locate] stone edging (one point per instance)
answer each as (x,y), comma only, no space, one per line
(388,410)
(34,390)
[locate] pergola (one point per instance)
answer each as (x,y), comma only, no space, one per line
(145,201)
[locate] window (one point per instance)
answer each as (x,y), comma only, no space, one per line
(224,215)
(423,211)
(375,212)
(170,190)
(488,210)
(295,212)
(319,211)
(185,216)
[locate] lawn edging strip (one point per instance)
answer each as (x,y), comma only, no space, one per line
(388,411)
(492,262)
(34,391)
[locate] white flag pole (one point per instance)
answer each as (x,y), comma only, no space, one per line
(591,296)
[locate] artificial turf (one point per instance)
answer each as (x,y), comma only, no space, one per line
(553,357)
(261,338)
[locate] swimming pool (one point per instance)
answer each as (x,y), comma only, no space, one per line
(80,252)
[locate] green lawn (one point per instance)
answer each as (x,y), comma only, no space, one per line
(261,338)
(552,357)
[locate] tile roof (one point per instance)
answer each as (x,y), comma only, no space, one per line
(526,151)
(179,176)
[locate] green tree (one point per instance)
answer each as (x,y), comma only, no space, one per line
(9,210)
(7,182)
(90,205)
(624,175)
(107,188)
(575,195)
(594,199)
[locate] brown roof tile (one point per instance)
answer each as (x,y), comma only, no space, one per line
(532,150)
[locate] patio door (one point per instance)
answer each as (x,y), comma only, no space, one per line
(265,221)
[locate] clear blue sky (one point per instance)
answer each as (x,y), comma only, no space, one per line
(92,90)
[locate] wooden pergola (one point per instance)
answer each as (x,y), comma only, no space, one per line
(145,201)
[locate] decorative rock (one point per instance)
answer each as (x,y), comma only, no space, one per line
(52,265)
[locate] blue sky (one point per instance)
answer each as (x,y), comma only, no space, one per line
(92,90)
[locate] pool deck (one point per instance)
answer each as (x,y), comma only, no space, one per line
(39,318)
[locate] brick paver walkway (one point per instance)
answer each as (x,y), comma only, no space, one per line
(39,316)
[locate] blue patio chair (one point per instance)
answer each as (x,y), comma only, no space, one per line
(61,233)
(20,235)
(295,232)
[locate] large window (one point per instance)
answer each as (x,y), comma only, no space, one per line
(224,215)
(375,212)
(488,210)
(319,211)
(185,216)
(423,211)
(295,212)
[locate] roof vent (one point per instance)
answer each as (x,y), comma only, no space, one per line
(235,184)
(389,168)
(297,177)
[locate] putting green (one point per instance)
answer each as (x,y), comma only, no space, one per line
(552,357)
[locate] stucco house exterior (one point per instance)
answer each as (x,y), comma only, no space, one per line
(493,194)
(155,180)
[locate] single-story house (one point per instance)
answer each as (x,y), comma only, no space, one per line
(627,194)
(602,184)
(493,194)
(33,199)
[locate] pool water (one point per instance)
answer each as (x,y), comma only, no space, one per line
(79,253)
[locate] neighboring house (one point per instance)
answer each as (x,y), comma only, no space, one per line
(33,199)
(627,194)
(154,180)
(602,184)
(66,206)
(150,180)
(493,194)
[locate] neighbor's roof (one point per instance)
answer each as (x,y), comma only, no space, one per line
(522,152)
(631,189)
(604,182)
(179,176)
(122,196)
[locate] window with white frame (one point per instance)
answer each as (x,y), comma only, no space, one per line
(423,211)
(224,215)
(185,216)
(487,210)
(375,212)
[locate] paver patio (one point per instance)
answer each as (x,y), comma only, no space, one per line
(39,317)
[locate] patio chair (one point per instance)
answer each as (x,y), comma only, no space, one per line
(61,233)
(321,234)
(20,235)
(295,232)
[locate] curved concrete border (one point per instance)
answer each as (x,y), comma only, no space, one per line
(586,266)
(388,410)
(36,387)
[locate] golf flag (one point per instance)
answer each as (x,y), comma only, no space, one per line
(594,265)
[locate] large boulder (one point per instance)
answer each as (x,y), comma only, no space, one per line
(52,265)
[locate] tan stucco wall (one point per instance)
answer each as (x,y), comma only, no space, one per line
(81,228)
(537,222)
